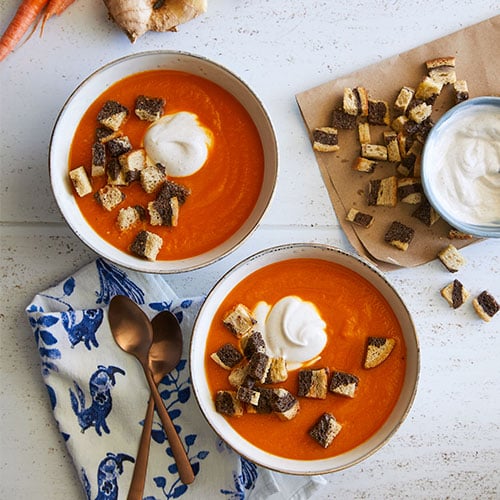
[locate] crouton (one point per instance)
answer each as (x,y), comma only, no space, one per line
(344,384)
(227,356)
(378,350)
(364,134)
(350,103)
(410,190)
(399,235)
(325,140)
(284,404)
(109,197)
(359,218)
(485,305)
(112,115)
(442,69)
(392,145)
(325,430)
(455,294)
(80,181)
(116,175)
(239,320)
(342,120)
(313,383)
(228,404)
(426,213)
(364,165)
(376,152)
(428,90)
(147,244)
(378,112)
(98,167)
(420,112)
(149,108)
(152,177)
(119,146)
(248,395)
(132,163)
(403,99)
(251,343)
(164,212)
(451,258)
(129,217)
(278,371)
(258,366)
(383,191)
(461,91)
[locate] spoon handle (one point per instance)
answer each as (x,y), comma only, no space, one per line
(136,490)
(186,473)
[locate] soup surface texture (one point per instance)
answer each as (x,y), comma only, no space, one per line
(353,310)
(223,192)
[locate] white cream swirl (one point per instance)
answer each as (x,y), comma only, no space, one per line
(293,329)
(179,142)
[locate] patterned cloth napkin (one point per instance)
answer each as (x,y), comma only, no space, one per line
(99,396)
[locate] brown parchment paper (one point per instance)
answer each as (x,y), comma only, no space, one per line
(477,62)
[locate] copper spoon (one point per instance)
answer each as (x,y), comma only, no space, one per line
(133,332)
(164,355)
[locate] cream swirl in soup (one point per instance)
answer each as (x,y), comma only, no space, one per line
(293,329)
(179,142)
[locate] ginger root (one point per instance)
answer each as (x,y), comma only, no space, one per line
(135,17)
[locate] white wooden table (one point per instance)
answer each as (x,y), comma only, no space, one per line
(450,444)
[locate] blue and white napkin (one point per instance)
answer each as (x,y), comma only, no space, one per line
(99,396)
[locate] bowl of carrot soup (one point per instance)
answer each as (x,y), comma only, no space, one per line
(163,161)
(304,359)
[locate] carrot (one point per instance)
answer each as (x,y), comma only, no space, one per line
(54,7)
(26,14)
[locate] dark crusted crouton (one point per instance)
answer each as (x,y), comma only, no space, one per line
(130,216)
(383,191)
(399,235)
(80,181)
(228,404)
(251,343)
(112,115)
(378,112)
(359,218)
(132,163)
(105,134)
(258,366)
(410,190)
(344,384)
(451,258)
(147,245)
(313,383)
(119,146)
(426,213)
(265,401)
(455,294)
(392,145)
(152,177)
(170,189)
(325,139)
(239,320)
(228,356)
(278,371)
(485,305)
(109,197)
(461,91)
(149,108)
(343,120)
(248,395)
(98,159)
(284,404)
(164,212)
(378,350)
(325,430)
(116,175)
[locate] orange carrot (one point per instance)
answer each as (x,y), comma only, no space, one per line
(54,7)
(26,14)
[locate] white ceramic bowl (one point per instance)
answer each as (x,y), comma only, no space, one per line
(97,83)
(205,397)
(453,209)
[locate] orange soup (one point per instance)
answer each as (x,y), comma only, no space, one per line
(353,310)
(223,192)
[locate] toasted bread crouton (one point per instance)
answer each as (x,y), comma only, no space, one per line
(149,108)
(248,395)
(228,404)
(132,163)
(164,212)
(426,213)
(455,234)
(147,244)
(80,181)
(343,120)
(105,134)
(238,375)
(112,115)
(403,99)
(264,404)
(325,430)
(278,371)
(378,350)
(98,167)
(227,356)
(119,146)
(152,177)
(383,191)
(410,190)
(420,112)
(170,189)
(428,89)
(399,123)
(364,165)
(392,145)
(442,69)
(344,384)
(461,91)
(399,235)
(455,294)
(364,134)
(284,404)
(485,305)
(325,139)
(116,175)
(258,367)
(350,103)
(359,218)
(376,152)
(313,383)
(109,197)
(129,217)
(239,320)
(451,258)
(378,112)
(362,96)
(251,343)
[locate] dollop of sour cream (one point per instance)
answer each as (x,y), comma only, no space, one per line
(467,165)
(293,329)
(179,142)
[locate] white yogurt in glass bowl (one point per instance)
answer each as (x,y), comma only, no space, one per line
(461,167)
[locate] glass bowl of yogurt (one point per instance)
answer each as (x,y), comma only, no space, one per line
(461,167)
(314,308)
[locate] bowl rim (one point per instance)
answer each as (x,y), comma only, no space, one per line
(481,231)
(266,196)
(285,465)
